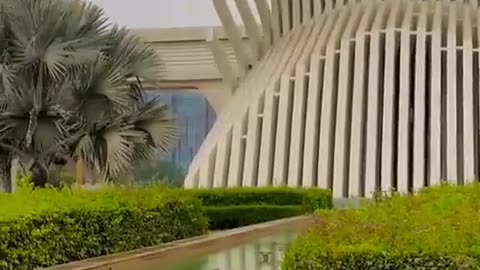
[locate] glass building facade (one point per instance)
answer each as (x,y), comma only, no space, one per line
(195,119)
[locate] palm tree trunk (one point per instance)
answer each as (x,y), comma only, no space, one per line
(5,173)
(15,172)
(79,174)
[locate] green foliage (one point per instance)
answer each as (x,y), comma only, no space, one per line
(66,179)
(24,181)
(230,217)
(439,228)
(235,207)
(159,172)
(60,180)
(310,199)
(71,84)
(45,227)
(40,228)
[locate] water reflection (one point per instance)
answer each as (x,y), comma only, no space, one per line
(263,254)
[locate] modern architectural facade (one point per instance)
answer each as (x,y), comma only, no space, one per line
(195,118)
(355,96)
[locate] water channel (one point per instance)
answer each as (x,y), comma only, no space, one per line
(258,247)
(265,253)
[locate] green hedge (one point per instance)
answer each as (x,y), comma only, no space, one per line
(47,227)
(310,199)
(437,229)
(237,207)
(229,217)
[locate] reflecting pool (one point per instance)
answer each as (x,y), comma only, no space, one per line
(261,254)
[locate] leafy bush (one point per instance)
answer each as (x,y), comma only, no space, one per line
(159,171)
(437,229)
(236,207)
(47,227)
(229,217)
(310,199)
(40,228)
(24,181)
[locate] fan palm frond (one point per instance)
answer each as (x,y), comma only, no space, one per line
(99,89)
(135,58)
(109,147)
(50,36)
(155,120)
(71,85)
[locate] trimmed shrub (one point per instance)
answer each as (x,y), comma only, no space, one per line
(439,228)
(47,227)
(237,207)
(229,217)
(310,199)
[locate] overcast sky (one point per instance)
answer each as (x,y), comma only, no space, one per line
(162,13)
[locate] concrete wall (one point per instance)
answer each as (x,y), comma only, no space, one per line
(354,97)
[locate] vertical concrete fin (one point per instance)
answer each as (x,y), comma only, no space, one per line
(252,29)
(229,75)
(266,19)
(421,89)
(365,96)
(243,57)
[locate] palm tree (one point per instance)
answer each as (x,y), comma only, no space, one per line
(71,86)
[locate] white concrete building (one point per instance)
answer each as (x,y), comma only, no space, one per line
(354,96)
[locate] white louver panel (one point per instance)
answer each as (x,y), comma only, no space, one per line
(366,96)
